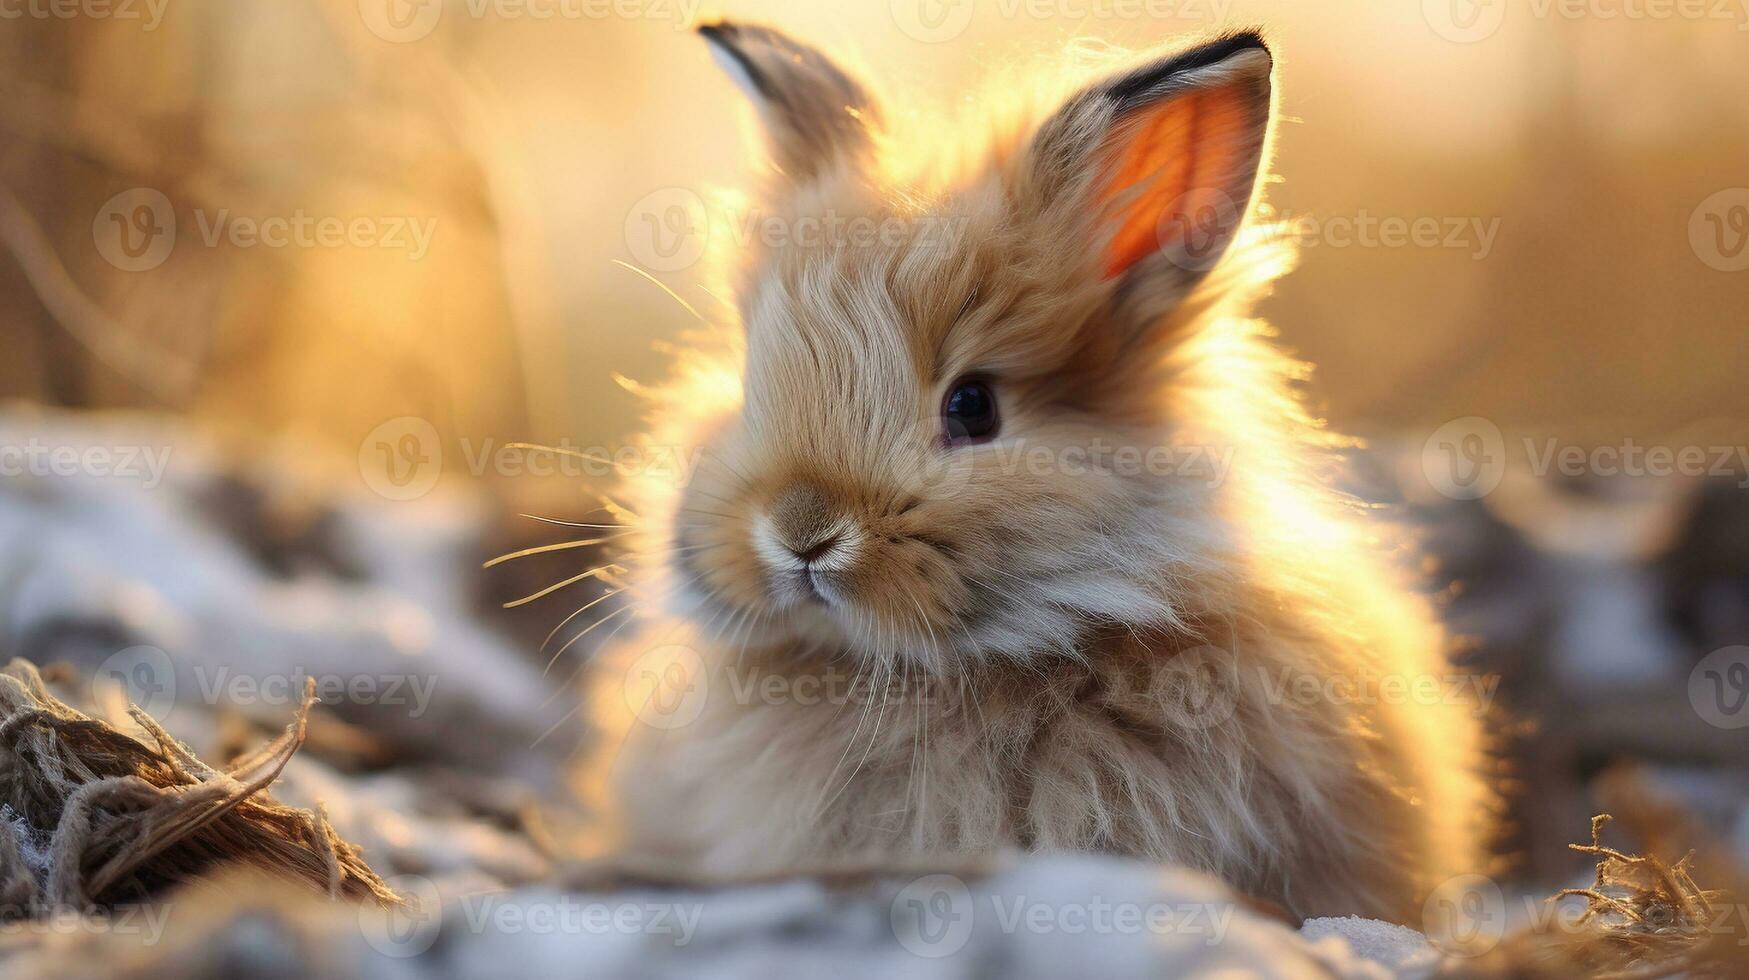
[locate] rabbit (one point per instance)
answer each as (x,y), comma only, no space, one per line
(1009,532)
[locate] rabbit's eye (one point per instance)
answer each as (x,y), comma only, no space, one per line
(968,414)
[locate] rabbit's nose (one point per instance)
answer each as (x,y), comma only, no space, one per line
(816,551)
(802,520)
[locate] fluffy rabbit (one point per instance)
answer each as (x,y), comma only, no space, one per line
(1008,530)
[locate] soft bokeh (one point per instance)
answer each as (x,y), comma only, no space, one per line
(1564,160)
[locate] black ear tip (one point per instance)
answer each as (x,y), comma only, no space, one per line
(731,41)
(1151,81)
(1249,37)
(1235,42)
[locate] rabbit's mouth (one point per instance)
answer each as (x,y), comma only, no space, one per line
(815,587)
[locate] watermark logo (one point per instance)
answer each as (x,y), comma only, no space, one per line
(222,685)
(1472,234)
(35,920)
(401,21)
(406,929)
(1204,685)
(1289,687)
(932,917)
(667,230)
(300,229)
(939,21)
(1464,21)
(402,458)
(933,21)
(135,230)
(1465,459)
(1469,915)
(1471,21)
(935,916)
(144,675)
(1465,915)
(405,21)
(944,472)
(666,687)
(1718,230)
(567,915)
(144,464)
(1195,230)
(672,229)
(1718,688)
(148,13)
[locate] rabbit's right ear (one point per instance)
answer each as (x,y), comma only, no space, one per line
(817,116)
(1150,174)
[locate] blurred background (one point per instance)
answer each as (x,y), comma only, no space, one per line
(329,258)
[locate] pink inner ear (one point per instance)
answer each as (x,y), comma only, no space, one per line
(1179,173)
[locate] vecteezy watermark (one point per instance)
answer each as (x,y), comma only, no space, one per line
(933,916)
(1469,915)
(937,21)
(402,459)
(569,915)
(136,230)
(1718,688)
(671,229)
(144,464)
(407,927)
(147,13)
(1208,465)
(668,687)
(1194,232)
(146,676)
(405,21)
(1203,688)
(674,465)
(140,675)
(1629,458)
(668,230)
(393,233)
(1290,686)
(1465,915)
(936,915)
(224,685)
(414,925)
(1718,230)
(1205,685)
(942,475)
(1471,21)
(1467,458)
(144,922)
(1363,229)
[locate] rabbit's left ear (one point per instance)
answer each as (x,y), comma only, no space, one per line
(816,115)
(1151,173)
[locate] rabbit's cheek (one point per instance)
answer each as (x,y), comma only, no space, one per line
(721,569)
(909,588)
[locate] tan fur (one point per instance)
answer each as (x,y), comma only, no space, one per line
(1033,637)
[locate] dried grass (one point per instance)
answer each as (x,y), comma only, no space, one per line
(99,816)
(1644,916)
